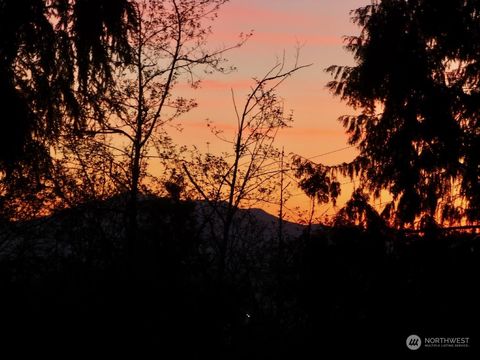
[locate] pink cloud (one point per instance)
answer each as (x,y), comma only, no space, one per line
(219,85)
(278,38)
(225,85)
(275,38)
(270,16)
(274,26)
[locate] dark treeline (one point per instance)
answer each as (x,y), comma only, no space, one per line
(99,255)
(66,286)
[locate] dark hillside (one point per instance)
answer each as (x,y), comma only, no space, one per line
(66,284)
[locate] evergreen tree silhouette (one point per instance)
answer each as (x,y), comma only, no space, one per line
(416,82)
(55,58)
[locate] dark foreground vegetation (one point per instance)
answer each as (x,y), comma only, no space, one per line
(68,285)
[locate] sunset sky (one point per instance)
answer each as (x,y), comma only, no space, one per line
(278,26)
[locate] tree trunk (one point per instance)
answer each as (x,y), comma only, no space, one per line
(224,245)
(133,244)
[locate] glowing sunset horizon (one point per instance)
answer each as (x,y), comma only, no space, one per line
(316,29)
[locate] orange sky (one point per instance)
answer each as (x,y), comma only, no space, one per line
(279,25)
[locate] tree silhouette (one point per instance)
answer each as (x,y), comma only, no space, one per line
(416,86)
(169,44)
(55,57)
(245,176)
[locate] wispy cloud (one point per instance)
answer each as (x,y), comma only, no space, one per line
(272,16)
(285,38)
